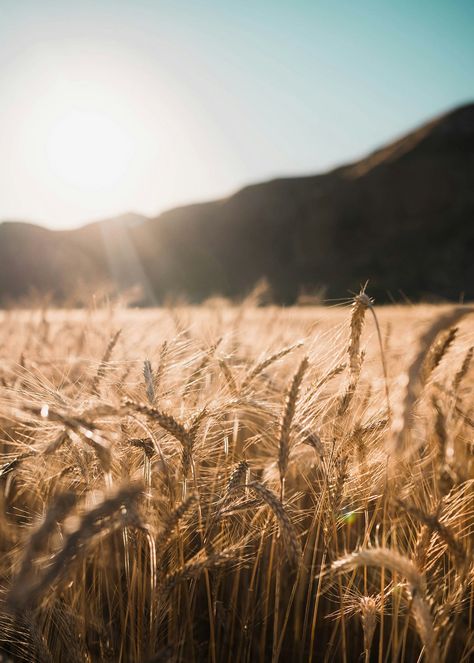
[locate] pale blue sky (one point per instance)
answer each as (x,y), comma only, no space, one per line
(132,104)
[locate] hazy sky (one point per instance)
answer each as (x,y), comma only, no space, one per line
(116,105)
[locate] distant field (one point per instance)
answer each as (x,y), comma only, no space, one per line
(237,484)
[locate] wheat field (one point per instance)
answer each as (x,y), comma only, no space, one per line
(237,484)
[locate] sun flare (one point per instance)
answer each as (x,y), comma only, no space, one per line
(89,150)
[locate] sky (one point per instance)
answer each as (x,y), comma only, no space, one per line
(109,106)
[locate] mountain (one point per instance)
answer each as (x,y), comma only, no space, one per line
(66,265)
(402,217)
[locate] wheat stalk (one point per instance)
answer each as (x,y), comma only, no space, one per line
(433,523)
(390,559)
(103,363)
(464,369)
(90,523)
(287,529)
(419,372)
(368,615)
(288,415)
(265,363)
(229,376)
(149,385)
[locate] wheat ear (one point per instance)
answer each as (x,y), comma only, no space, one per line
(418,373)
(148,376)
(104,361)
(390,559)
(89,525)
(288,415)
(287,530)
(265,363)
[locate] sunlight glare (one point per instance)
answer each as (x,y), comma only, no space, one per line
(89,150)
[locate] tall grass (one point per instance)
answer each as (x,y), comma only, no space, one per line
(235,484)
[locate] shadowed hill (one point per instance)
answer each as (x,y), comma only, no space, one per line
(68,264)
(403,217)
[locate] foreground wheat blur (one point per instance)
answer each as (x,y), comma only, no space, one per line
(237,484)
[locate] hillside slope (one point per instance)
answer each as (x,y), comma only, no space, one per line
(403,217)
(68,264)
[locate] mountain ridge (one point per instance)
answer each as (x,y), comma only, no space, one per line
(401,216)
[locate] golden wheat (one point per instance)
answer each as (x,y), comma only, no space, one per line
(160,500)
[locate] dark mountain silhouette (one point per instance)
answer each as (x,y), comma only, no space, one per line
(67,264)
(402,217)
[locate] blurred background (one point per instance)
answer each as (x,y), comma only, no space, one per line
(193,149)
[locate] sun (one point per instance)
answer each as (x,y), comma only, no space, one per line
(89,150)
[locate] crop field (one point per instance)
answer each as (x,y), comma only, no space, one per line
(237,484)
